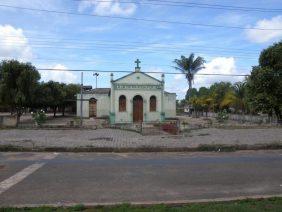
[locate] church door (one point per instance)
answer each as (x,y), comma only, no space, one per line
(92,107)
(137,109)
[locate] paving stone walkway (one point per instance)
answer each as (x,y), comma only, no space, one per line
(114,138)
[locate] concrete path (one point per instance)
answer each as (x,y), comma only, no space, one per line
(125,139)
(102,178)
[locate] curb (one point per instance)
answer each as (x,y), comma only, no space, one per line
(200,148)
(148,203)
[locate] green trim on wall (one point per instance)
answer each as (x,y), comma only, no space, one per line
(137,87)
(112,118)
(162,116)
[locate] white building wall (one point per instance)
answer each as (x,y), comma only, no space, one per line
(170,105)
(103,104)
(127,116)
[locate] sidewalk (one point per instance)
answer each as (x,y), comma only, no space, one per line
(121,139)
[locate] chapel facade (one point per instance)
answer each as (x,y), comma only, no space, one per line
(136,97)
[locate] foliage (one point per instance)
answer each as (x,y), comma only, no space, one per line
(39,117)
(253,205)
(17,84)
(264,85)
(235,97)
(189,66)
(222,116)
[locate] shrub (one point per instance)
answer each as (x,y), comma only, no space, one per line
(39,117)
(222,116)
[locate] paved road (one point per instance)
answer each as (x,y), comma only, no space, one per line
(66,178)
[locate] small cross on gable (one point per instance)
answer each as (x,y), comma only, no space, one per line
(138,62)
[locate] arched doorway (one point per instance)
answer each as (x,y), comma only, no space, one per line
(137,109)
(92,107)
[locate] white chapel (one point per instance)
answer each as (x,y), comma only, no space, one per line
(136,97)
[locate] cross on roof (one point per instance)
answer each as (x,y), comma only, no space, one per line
(137,62)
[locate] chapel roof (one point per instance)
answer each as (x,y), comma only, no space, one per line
(132,73)
(169,92)
(98,91)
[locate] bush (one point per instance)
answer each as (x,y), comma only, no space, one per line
(222,116)
(39,117)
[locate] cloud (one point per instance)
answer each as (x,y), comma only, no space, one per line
(219,65)
(111,7)
(59,76)
(97,28)
(154,69)
(14,44)
(262,36)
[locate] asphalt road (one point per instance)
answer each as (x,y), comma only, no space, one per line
(99,178)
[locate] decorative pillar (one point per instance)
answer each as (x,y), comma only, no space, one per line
(131,112)
(146,110)
(112,101)
(162,98)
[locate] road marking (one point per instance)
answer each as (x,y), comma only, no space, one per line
(18,177)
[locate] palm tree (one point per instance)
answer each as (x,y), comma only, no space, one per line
(235,97)
(189,67)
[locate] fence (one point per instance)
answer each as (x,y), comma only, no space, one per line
(248,118)
(8,121)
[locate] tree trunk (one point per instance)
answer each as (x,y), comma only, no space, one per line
(54,111)
(278,115)
(18,113)
(63,110)
(190,86)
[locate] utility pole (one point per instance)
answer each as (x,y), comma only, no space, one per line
(96,75)
(81,98)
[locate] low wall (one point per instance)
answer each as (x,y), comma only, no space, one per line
(8,121)
(248,118)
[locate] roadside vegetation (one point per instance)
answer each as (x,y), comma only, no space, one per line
(21,90)
(271,204)
(258,93)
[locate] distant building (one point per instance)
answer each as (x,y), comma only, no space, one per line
(136,97)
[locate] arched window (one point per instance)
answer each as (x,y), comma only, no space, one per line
(153,104)
(122,103)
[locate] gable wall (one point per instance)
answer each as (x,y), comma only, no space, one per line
(137,78)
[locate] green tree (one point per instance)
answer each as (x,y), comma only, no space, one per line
(191,93)
(235,97)
(17,83)
(264,85)
(264,91)
(189,66)
(55,94)
(70,91)
(217,93)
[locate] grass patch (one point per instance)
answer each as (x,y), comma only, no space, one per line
(252,205)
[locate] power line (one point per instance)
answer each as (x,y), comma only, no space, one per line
(137,19)
(127,48)
(49,40)
(148,72)
(195,5)
(242,68)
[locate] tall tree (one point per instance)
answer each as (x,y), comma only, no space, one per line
(56,95)
(189,66)
(264,85)
(70,91)
(235,97)
(218,92)
(17,83)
